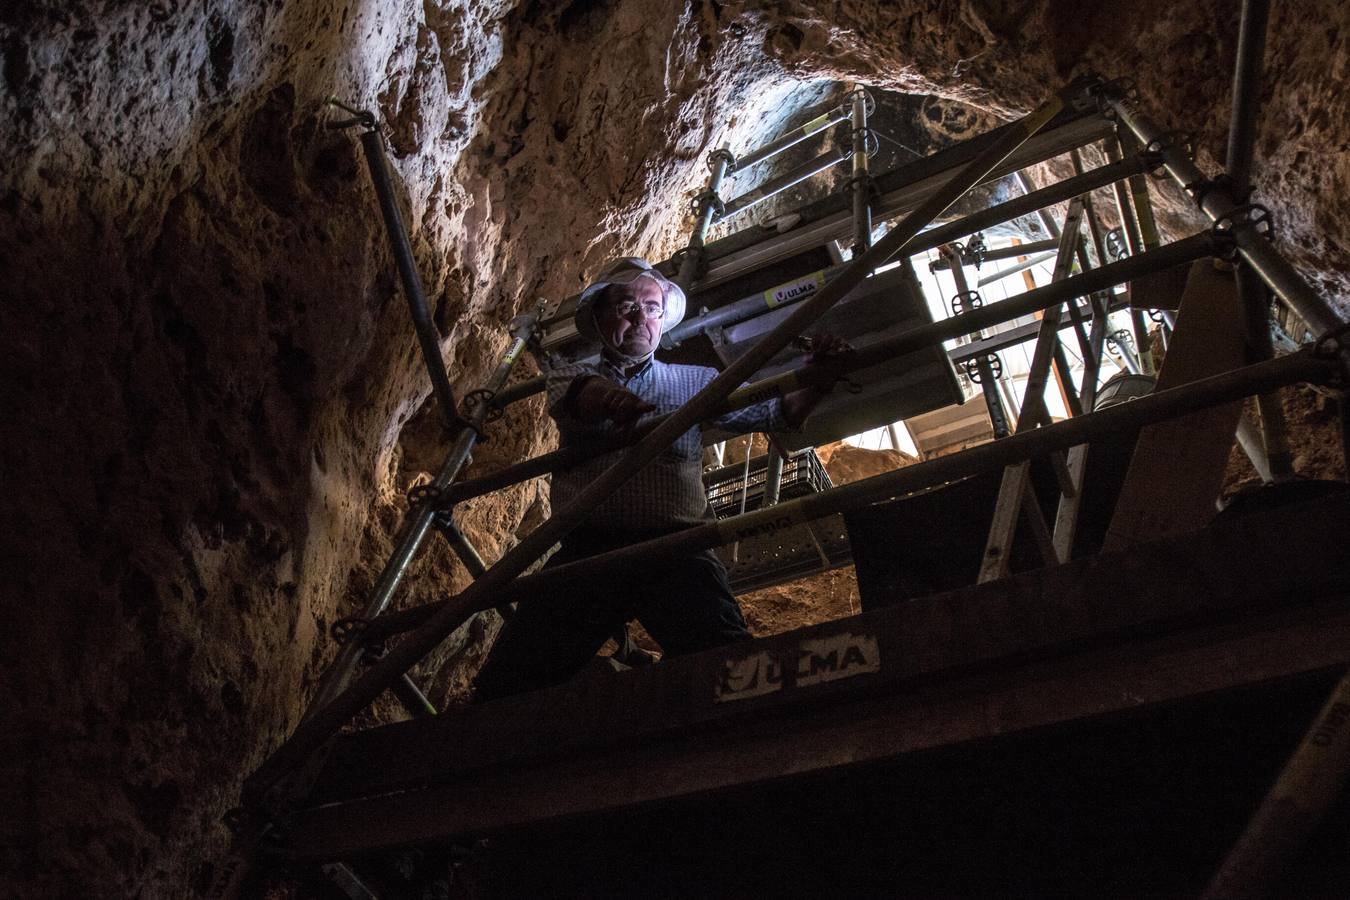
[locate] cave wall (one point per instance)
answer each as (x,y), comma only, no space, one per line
(210,374)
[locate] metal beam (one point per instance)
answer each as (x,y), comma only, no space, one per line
(1218,203)
(791,138)
(781,183)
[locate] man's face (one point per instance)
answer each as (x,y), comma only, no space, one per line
(625,317)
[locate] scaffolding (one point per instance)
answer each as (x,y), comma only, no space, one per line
(325,790)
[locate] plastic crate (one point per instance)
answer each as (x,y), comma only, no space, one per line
(803,473)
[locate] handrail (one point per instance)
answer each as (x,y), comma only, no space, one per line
(1304,365)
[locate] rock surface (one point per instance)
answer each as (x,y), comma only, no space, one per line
(212,392)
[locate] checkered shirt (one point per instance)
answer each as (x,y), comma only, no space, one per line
(668,492)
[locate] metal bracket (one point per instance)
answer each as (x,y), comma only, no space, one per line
(976,248)
(363,117)
(1123,88)
(722,153)
(966,301)
(868,184)
(1152,153)
(972,367)
(870,103)
(1224,182)
(1116,246)
(1252,215)
(349,628)
(871,141)
(712,200)
(471,403)
(423,493)
(1120,341)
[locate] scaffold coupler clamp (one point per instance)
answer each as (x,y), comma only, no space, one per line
(1248,215)
(526,325)
(473,400)
(976,249)
(965,301)
(869,102)
(1199,190)
(992,360)
(363,117)
(1080,92)
(427,492)
(865,181)
(349,628)
(707,200)
(1108,91)
(1152,153)
(1335,345)
(1120,341)
(722,153)
(696,258)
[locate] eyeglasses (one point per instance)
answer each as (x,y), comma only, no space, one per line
(651,309)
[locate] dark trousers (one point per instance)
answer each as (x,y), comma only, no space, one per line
(685,604)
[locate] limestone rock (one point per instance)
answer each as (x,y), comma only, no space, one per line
(210,371)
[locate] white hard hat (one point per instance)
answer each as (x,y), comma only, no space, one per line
(625,270)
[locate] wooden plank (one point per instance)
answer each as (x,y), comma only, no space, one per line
(977,706)
(1015,495)
(1066,520)
(1258,562)
(1012,491)
(1177,469)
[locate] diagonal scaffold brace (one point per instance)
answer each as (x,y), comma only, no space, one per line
(313,733)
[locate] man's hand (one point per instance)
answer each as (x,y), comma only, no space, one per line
(598,400)
(825,349)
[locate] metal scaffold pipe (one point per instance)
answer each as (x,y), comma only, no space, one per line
(792,138)
(860,182)
(420,519)
(984,363)
(1274,445)
(707,207)
(428,337)
(922,337)
(1246,93)
(312,734)
(519,391)
(1217,202)
(788,179)
(1115,420)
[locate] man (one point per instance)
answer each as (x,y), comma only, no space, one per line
(685,604)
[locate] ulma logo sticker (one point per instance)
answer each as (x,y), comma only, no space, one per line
(818,660)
